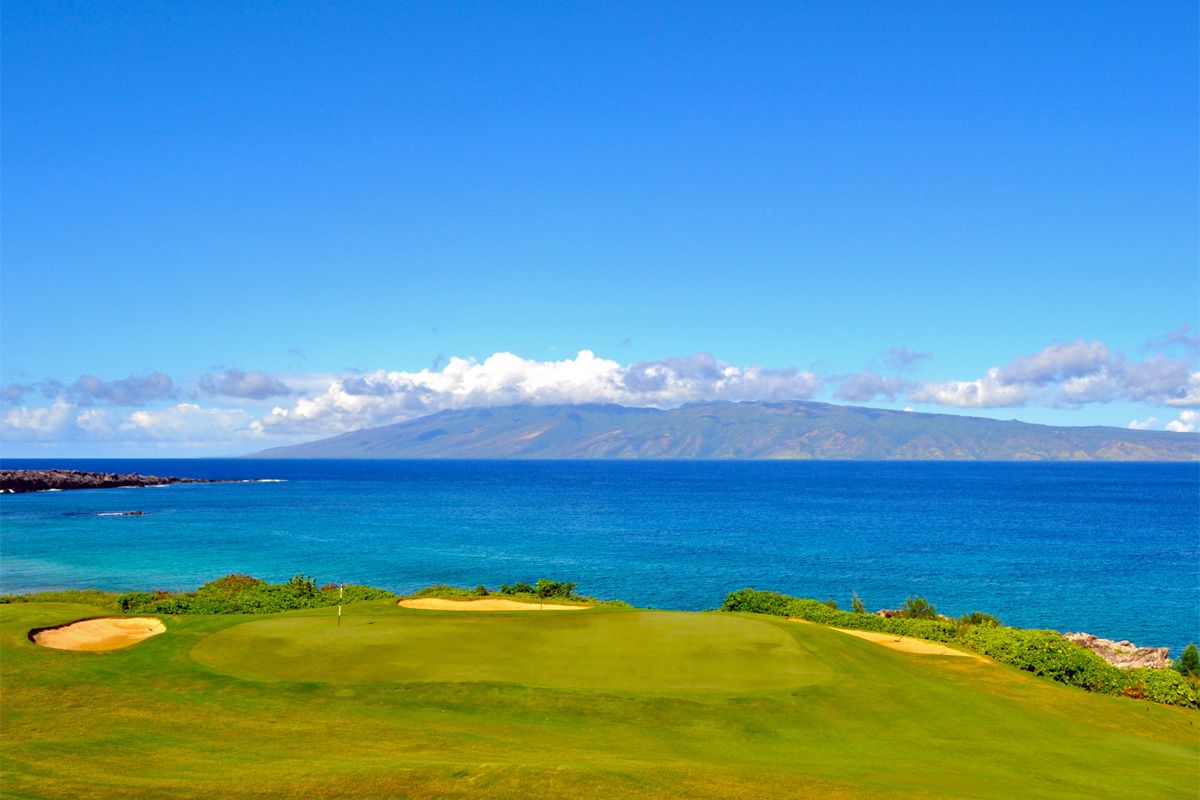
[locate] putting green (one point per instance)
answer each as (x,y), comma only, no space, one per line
(657,651)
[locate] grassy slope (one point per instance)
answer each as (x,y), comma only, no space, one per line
(152,721)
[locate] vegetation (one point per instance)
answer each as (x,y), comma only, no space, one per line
(1188,664)
(918,608)
(90,597)
(1044,653)
(544,589)
(857,604)
(605,702)
(243,594)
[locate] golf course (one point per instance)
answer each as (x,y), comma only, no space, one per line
(389,701)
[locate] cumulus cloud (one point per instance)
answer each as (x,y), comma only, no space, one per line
(183,425)
(1188,421)
(311,405)
(1144,424)
(253,385)
(136,390)
(504,379)
(1072,374)
(187,422)
(866,386)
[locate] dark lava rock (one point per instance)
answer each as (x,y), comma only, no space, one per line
(17,481)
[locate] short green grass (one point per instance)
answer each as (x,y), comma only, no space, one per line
(656,651)
(598,703)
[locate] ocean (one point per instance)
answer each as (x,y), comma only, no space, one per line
(1108,548)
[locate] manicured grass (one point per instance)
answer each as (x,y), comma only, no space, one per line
(657,651)
(603,704)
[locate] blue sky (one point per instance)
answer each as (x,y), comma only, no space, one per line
(214,210)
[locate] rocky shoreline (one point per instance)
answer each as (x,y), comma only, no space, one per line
(20,481)
(1124,654)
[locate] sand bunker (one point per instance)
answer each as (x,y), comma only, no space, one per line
(110,633)
(903,643)
(482,604)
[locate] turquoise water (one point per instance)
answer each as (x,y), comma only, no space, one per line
(1108,548)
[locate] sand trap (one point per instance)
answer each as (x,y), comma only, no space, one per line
(482,604)
(110,633)
(902,643)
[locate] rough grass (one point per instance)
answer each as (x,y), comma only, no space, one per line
(152,721)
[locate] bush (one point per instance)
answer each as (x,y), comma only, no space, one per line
(918,608)
(857,604)
(1044,653)
(232,584)
(516,588)
(1189,662)
(547,588)
(241,594)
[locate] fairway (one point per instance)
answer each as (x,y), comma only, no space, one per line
(633,651)
(599,703)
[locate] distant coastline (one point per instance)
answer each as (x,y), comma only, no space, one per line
(22,481)
(738,431)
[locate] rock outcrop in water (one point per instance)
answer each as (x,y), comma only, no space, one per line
(18,481)
(1124,654)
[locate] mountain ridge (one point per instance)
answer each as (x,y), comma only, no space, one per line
(746,430)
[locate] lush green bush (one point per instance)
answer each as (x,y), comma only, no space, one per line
(918,608)
(516,588)
(242,594)
(1044,653)
(546,588)
(1189,661)
(857,604)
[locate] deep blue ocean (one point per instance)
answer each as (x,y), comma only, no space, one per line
(1113,549)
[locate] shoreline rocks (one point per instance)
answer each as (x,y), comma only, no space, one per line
(1124,654)
(20,481)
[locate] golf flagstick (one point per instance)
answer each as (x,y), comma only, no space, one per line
(341,594)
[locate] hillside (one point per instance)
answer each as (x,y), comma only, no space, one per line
(749,430)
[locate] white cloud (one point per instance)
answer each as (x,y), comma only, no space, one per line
(311,405)
(379,397)
(253,385)
(1143,425)
(990,391)
(186,422)
(45,423)
(1188,421)
(1073,374)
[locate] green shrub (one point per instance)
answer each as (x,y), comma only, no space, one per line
(1044,653)
(1163,686)
(516,588)
(1189,661)
(547,588)
(857,604)
(241,594)
(231,584)
(918,608)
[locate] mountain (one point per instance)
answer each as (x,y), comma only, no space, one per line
(747,430)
